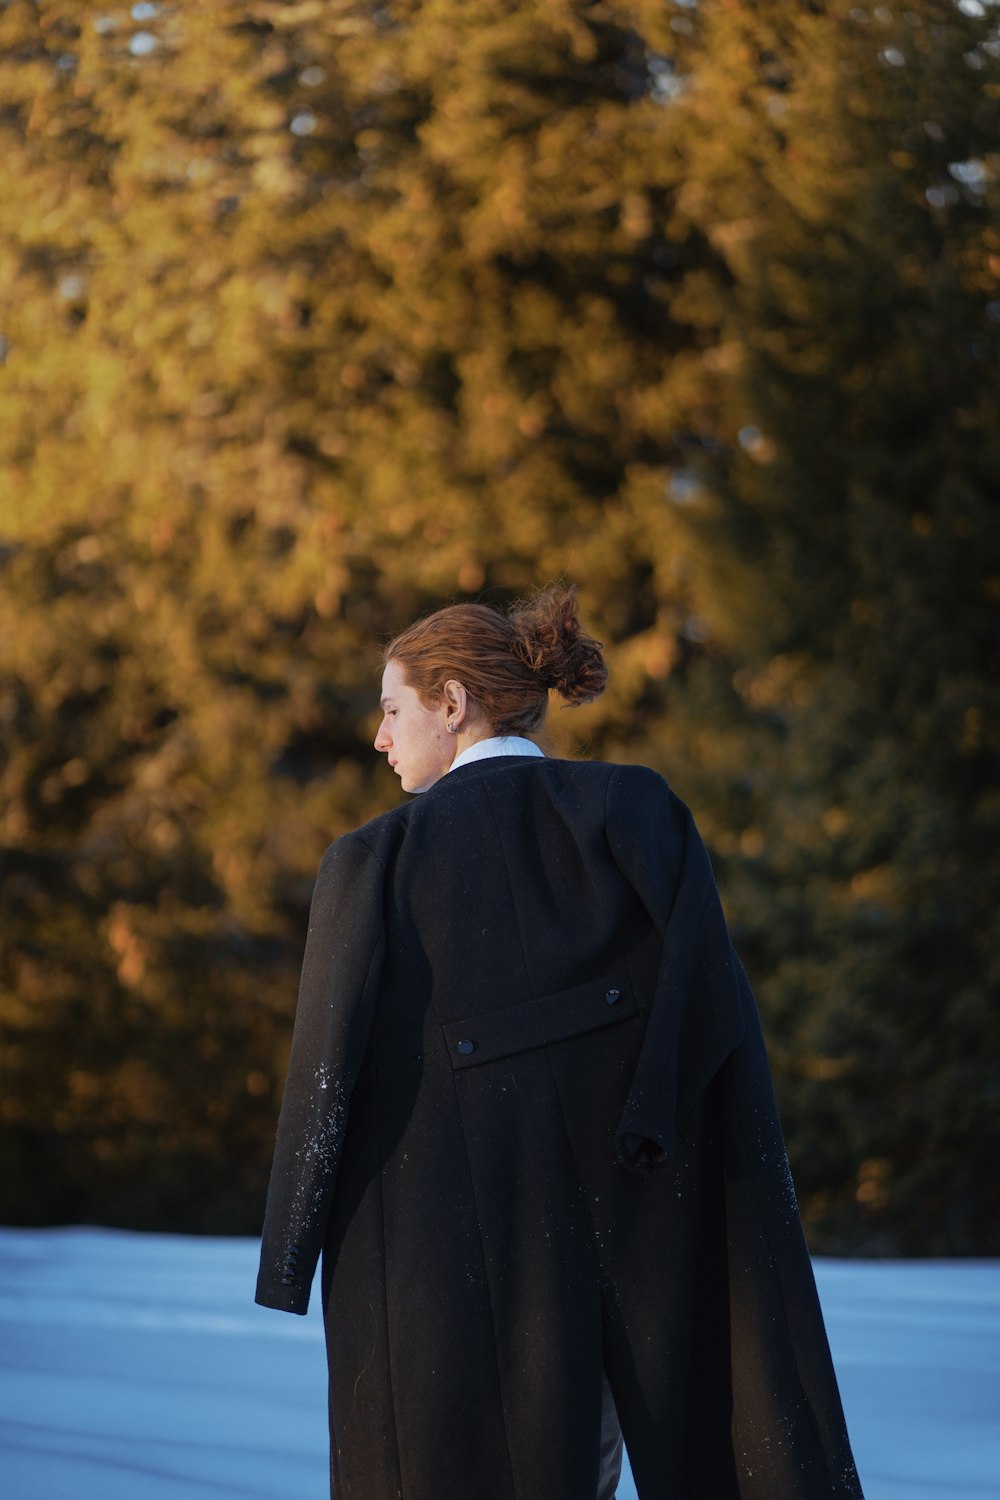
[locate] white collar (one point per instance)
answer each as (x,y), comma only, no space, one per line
(497,744)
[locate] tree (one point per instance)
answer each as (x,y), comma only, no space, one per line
(323,315)
(855,505)
(347,323)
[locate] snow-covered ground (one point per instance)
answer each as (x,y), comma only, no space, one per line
(138,1367)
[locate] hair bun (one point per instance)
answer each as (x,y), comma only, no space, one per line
(549,640)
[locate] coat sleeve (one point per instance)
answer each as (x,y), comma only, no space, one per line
(785,1418)
(697,1014)
(337,989)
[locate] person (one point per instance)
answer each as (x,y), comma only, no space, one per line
(529,1125)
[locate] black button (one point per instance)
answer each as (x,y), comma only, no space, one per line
(466,1047)
(613,996)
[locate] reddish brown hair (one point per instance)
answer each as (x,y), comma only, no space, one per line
(507,662)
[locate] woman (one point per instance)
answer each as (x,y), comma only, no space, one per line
(529,1121)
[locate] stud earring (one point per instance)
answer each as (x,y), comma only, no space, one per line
(452,728)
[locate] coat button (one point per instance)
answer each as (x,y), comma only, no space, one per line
(613,996)
(466,1047)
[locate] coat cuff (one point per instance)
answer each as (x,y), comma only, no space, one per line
(286,1286)
(283,1299)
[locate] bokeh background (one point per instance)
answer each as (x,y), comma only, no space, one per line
(320,314)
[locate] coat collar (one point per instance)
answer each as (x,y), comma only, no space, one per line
(470,769)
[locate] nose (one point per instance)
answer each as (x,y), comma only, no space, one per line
(382,740)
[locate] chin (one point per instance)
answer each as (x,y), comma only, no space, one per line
(414,782)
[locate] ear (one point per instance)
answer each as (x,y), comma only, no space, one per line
(455,697)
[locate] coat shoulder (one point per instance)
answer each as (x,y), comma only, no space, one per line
(622,785)
(376,837)
(638,778)
(639,790)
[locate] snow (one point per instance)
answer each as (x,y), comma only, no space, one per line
(138,1367)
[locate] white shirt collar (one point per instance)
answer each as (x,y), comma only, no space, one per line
(497,744)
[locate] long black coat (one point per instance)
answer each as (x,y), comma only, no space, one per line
(529,1122)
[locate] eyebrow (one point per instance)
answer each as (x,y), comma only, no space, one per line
(383,701)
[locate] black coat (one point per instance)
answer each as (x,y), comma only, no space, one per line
(529,1122)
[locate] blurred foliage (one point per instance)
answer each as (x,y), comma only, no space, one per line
(320,315)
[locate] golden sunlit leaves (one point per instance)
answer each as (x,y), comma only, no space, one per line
(318,315)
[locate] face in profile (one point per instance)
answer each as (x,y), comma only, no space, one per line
(415,738)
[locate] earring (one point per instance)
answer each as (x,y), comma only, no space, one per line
(452,728)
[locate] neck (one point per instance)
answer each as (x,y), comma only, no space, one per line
(467,737)
(471,737)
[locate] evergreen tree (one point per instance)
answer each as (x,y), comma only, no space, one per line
(345,323)
(319,316)
(855,505)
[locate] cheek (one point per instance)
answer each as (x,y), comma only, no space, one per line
(420,737)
